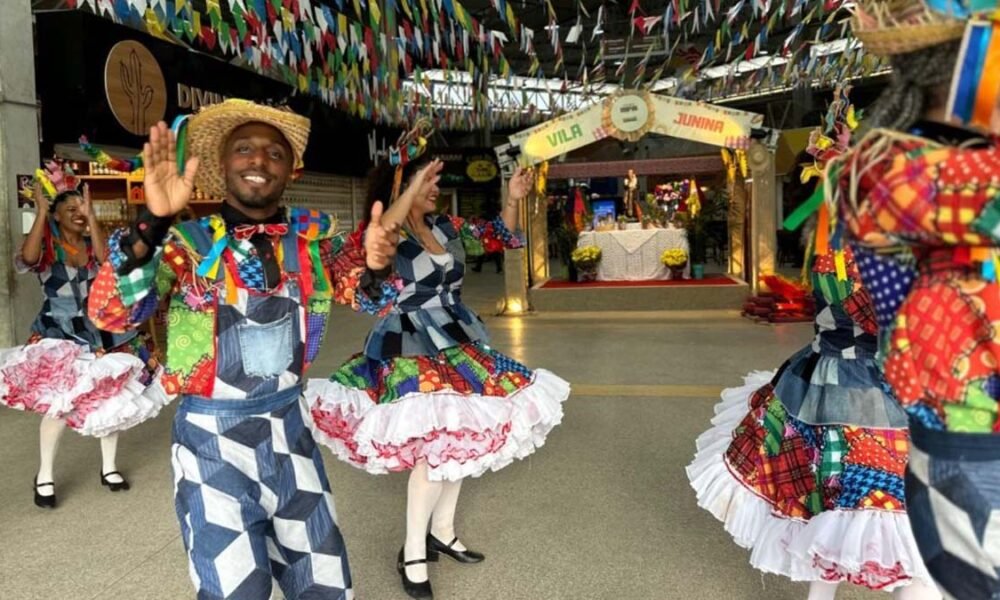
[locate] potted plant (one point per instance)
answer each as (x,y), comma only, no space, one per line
(585,259)
(675,259)
(714,206)
(622,220)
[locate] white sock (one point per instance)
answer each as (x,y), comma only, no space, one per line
(49,433)
(109,452)
(443,520)
(823,590)
(422,495)
(917,590)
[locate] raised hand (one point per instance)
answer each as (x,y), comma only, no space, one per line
(380,240)
(41,200)
(424,181)
(167,191)
(86,208)
(519,185)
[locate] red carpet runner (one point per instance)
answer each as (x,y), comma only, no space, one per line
(709,280)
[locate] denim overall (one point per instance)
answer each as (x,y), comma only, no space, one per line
(251,494)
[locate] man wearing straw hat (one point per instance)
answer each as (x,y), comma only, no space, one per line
(249,290)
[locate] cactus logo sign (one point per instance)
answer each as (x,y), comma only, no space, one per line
(135,87)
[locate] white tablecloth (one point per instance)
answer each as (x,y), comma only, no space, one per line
(634,255)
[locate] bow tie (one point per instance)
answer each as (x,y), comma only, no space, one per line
(245,232)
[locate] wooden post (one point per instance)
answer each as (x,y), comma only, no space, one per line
(515,265)
(538,240)
(737,220)
(515,273)
(764,217)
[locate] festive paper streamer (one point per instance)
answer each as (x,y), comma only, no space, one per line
(977,49)
(805,210)
(987,88)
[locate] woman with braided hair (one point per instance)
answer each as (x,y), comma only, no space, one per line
(804,465)
(428,394)
(920,197)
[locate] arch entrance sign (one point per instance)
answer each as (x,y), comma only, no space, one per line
(629,115)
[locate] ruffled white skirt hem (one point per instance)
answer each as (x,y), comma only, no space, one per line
(873,548)
(457,435)
(94,395)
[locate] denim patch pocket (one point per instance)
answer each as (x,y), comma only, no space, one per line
(266,349)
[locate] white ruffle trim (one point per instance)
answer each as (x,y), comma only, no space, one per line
(851,545)
(382,433)
(134,405)
(95,395)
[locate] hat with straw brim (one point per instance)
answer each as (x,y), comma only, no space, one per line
(889,28)
(210,128)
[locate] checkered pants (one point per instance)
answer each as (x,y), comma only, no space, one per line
(254,503)
(953,501)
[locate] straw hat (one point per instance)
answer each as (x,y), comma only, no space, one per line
(208,130)
(889,27)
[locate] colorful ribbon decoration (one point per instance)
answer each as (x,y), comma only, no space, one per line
(129,165)
(107,161)
(807,208)
(976,84)
(209,265)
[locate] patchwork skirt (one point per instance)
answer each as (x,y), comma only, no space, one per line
(465,411)
(811,502)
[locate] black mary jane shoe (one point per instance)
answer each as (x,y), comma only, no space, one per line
(115,486)
(420,591)
(436,547)
(44,501)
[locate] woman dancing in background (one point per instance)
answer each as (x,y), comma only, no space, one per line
(71,373)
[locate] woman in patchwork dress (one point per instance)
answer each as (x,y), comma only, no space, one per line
(429,394)
(920,197)
(71,373)
(805,466)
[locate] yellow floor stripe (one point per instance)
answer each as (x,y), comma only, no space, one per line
(647,391)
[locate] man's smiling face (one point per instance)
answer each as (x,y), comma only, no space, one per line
(258,162)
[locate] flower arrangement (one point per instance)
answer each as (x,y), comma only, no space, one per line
(674,258)
(586,257)
(585,260)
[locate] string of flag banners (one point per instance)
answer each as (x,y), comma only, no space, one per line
(353,54)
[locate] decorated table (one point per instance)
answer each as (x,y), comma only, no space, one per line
(634,255)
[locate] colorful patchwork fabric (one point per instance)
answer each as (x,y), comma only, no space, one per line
(350,264)
(493,234)
(942,353)
(888,278)
(203,349)
(803,470)
(919,190)
(937,339)
(467,369)
(421,308)
(845,320)
(417,282)
(66,289)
